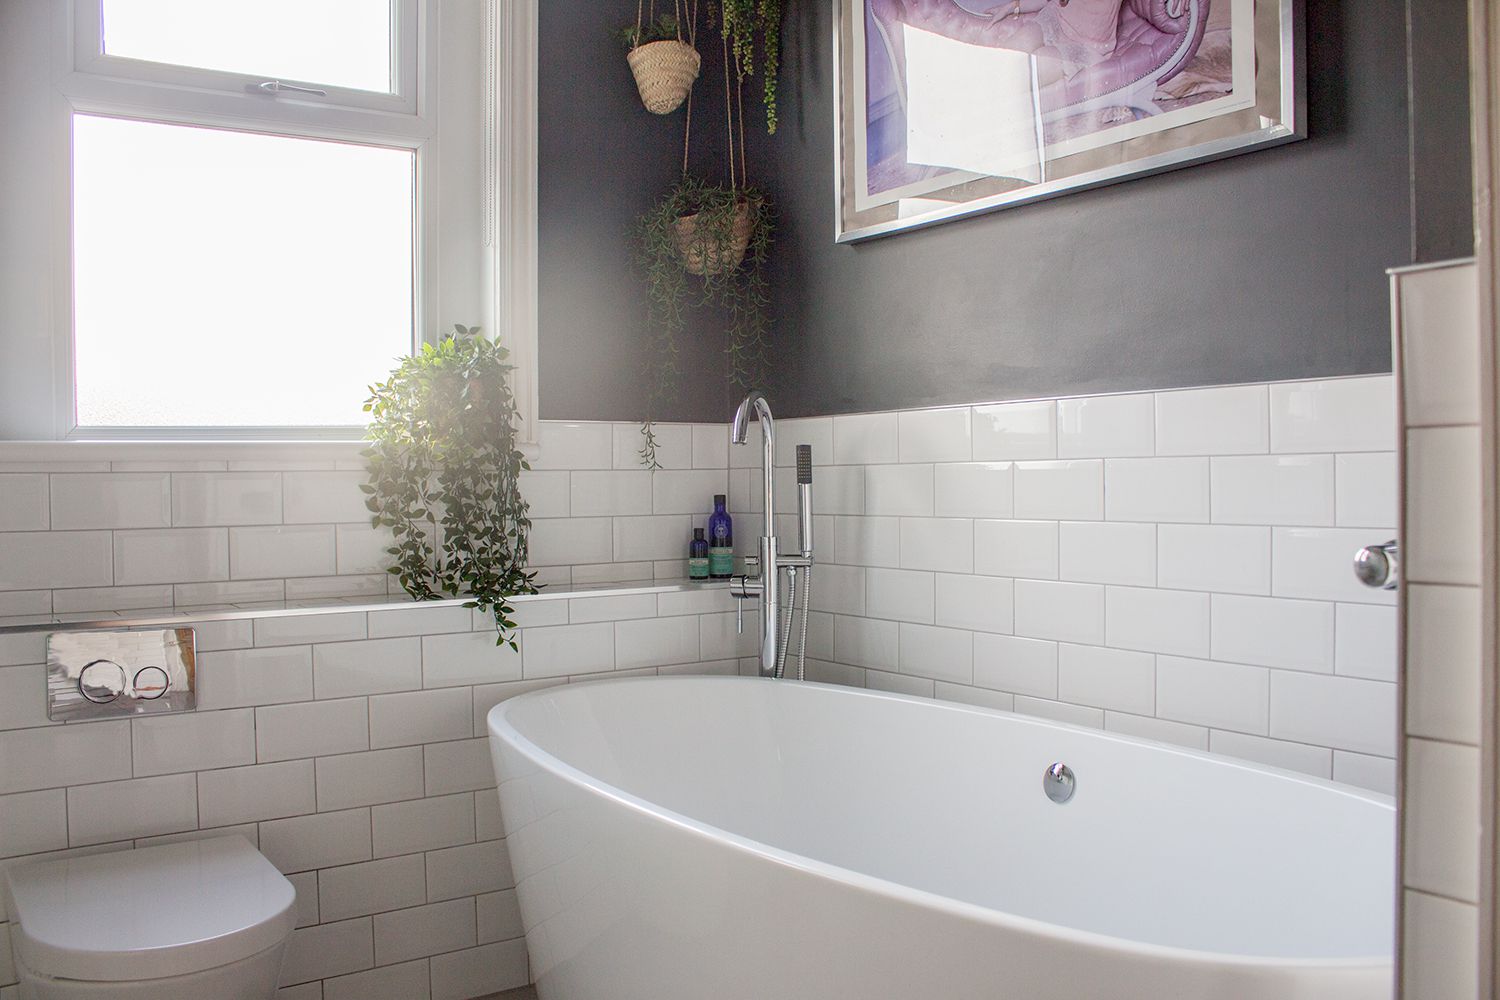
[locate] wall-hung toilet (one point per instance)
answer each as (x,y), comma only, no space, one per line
(190,921)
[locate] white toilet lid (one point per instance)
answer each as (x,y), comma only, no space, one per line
(146,914)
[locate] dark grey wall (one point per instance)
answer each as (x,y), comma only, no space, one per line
(1263,266)
(604,160)
(1442,171)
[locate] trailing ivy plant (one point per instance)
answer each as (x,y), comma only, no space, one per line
(444,471)
(739,290)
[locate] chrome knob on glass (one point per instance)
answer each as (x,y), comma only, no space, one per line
(762,581)
(1379,566)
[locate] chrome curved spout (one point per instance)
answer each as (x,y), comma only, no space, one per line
(739,433)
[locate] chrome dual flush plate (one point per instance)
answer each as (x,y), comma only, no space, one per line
(101,674)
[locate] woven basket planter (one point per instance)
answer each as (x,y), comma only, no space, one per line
(702,255)
(664,72)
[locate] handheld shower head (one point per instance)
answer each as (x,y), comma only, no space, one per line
(804,501)
(804,465)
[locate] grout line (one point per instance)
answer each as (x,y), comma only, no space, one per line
(1444,741)
(1440,895)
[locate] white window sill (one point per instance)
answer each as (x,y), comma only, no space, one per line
(25,452)
(18,453)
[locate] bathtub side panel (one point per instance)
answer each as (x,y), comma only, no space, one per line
(620,903)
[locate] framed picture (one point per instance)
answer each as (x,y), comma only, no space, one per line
(947,108)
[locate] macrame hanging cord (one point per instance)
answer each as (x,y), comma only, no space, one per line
(692,39)
(641,22)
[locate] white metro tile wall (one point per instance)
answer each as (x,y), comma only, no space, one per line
(1442,505)
(351,749)
(1105,426)
(136,534)
(1437,346)
(1173,564)
(24,502)
(1148,575)
(1228,420)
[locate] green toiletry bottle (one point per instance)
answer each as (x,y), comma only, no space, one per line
(698,556)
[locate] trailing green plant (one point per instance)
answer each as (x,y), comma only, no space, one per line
(444,476)
(750,25)
(704,223)
(664,28)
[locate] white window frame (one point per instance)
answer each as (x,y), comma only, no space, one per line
(113,86)
(406,37)
(512,44)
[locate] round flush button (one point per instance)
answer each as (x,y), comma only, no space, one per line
(151,682)
(102,681)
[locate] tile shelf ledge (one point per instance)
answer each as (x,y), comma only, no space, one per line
(287,609)
(178,450)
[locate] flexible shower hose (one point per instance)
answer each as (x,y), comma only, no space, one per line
(791,617)
(806,607)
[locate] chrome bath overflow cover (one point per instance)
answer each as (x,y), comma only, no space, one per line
(1059,783)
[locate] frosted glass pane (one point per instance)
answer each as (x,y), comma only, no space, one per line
(341,43)
(235,279)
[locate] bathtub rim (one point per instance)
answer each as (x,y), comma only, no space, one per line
(500,727)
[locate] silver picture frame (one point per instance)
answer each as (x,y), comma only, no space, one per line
(1277,116)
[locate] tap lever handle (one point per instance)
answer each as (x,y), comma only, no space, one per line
(804,464)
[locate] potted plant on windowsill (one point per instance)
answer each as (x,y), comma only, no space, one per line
(665,65)
(444,476)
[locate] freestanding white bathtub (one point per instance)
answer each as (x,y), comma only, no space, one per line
(745,839)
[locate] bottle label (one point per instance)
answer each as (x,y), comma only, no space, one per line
(720,561)
(698,568)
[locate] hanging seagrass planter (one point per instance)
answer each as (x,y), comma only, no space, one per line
(664,73)
(709,249)
(665,65)
(712,237)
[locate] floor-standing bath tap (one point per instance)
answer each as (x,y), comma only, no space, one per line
(764,586)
